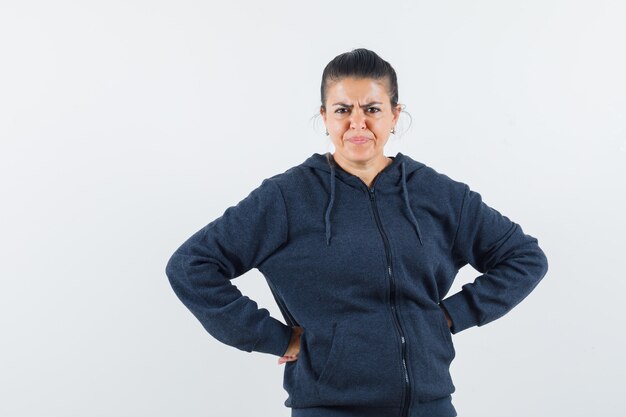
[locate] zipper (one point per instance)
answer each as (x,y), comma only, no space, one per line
(392,288)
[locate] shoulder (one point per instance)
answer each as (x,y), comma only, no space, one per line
(431,179)
(303,175)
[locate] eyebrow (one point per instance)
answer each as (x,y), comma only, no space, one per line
(351,105)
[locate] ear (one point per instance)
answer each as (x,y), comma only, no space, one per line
(323,113)
(396,113)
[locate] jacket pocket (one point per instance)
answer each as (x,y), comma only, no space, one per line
(364,365)
(431,353)
(299,376)
(446,334)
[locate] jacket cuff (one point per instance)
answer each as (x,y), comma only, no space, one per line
(460,312)
(275,338)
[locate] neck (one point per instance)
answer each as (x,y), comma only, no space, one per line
(367,170)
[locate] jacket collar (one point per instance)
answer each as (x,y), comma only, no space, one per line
(401,166)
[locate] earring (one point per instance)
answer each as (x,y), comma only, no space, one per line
(327,132)
(393,130)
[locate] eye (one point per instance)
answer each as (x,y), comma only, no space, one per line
(340,110)
(373,109)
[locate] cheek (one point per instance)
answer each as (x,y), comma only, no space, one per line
(338,124)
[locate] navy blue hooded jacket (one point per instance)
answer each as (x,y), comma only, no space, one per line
(364,271)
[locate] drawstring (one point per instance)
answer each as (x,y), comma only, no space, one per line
(405,192)
(332,199)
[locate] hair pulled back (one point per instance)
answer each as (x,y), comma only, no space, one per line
(360,63)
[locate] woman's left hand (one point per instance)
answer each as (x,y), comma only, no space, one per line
(447,317)
(293,349)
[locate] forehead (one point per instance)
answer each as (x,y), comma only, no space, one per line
(359,89)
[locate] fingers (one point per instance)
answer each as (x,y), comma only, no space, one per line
(287,358)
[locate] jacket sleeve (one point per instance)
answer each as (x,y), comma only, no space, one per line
(200,271)
(511,263)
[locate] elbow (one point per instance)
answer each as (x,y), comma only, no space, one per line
(176,273)
(533,263)
(543,262)
(169,267)
(537,263)
(536,259)
(174,270)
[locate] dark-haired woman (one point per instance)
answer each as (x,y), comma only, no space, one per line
(359,250)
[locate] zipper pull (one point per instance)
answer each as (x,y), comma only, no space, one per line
(406,374)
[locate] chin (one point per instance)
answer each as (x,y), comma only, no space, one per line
(361,154)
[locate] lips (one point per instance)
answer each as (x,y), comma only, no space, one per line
(357,140)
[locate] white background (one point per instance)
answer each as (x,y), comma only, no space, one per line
(125,126)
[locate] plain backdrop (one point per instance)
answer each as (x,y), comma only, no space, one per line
(125,126)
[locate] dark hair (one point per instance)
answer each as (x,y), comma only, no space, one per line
(360,63)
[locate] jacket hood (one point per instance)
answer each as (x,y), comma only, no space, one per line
(401,167)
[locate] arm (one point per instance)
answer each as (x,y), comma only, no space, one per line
(448,319)
(511,263)
(200,271)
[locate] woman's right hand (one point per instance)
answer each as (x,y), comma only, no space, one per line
(294,346)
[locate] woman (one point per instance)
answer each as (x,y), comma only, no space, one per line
(359,250)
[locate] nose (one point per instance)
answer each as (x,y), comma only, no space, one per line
(357,120)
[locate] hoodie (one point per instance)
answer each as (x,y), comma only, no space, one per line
(365,272)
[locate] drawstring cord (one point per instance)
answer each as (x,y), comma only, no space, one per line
(405,194)
(332,199)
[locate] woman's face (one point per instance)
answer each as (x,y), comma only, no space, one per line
(359,118)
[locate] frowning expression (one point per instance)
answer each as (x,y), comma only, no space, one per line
(359,117)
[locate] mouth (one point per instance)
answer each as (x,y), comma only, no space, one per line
(358,140)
